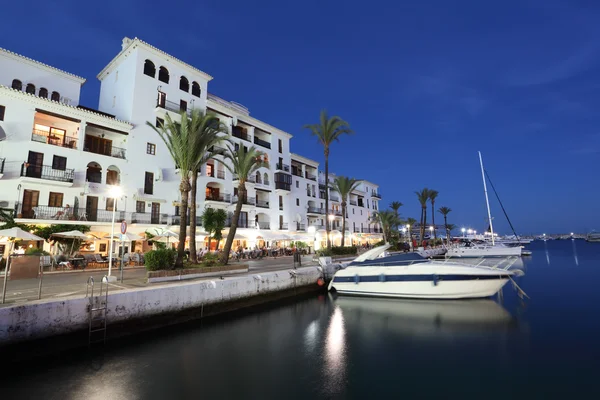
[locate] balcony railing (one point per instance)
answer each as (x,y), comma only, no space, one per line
(334,198)
(2,160)
(283,226)
(241,135)
(223,197)
(220,174)
(172,106)
(247,200)
(61,141)
(353,203)
(149,218)
(316,210)
(376,194)
(47,172)
(282,186)
(296,172)
(361,204)
(337,212)
(108,150)
(93,177)
(311,177)
(264,225)
(300,227)
(263,183)
(176,220)
(282,167)
(262,203)
(262,143)
(356,230)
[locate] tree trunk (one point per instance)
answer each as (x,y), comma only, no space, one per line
(433,219)
(209,240)
(447,232)
(234,221)
(343,222)
(193,250)
(184,189)
(327,195)
(424,223)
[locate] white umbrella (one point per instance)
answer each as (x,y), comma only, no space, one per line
(164,235)
(76,235)
(127,237)
(14,233)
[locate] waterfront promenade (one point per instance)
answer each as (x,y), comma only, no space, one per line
(57,285)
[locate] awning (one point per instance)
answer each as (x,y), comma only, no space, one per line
(104,128)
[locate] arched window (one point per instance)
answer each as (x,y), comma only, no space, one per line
(258,180)
(266,179)
(55,96)
(195,89)
(184,84)
(163,75)
(149,68)
(30,88)
(16,84)
(43,93)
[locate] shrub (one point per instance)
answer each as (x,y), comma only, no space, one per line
(210,260)
(324,252)
(160,259)
(340,251)
(34,251)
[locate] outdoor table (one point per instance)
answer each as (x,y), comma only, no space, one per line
(77,262)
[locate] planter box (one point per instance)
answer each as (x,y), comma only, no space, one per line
(24,267)
(193,273)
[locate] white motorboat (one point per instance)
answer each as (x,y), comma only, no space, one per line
(483,250)
(593,237)
(400,276)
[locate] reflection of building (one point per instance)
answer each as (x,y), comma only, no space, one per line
(59,159)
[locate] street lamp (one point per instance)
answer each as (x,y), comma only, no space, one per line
(469,231)
(114,192)
(463,231)
(313,232)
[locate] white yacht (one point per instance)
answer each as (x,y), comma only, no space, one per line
(593,236)
(401,276)
(470,249)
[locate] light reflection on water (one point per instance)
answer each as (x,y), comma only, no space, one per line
(335,350)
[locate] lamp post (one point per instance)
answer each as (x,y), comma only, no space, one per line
(409,237)
(463,231)
(312,231)
(114,192)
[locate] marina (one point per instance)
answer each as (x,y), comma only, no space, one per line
(325,346)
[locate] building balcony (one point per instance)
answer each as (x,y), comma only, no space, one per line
(47,172)
(353,203)
(220,174)
(283,226)
(176,220)
(263,183)
(262,203)
(222,198)
(262,143)
(300,227)
(334,198)
(149,218)
(240,134)
(376,194)
(103,148)
(296,172)
(315,210)
(40,136)
(356,230)
(283,186)
(371,230)
(264,225)
(172,106)
(311,177)
(337,213)
(282,167)
(250,201)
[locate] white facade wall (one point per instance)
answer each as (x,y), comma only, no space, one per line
(28,71)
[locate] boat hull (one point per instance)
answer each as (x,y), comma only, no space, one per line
(420,281)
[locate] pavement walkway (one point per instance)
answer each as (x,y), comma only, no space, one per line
(70,283)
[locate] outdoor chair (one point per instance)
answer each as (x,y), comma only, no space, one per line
(90,259)
(99,260)
(46,261)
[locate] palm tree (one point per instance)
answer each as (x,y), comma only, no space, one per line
(181,141)
(344,186)
(423,196)
(395,205)
(450,228)
(445,211)
(411,224)
(219,220)
(327,131)
(242,163)
(208,138)
(433,194)
(387,220)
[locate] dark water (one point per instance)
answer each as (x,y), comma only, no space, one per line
(321,347)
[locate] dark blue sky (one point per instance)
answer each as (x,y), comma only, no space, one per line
(425,84)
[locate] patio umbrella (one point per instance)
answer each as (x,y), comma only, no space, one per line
(75,235)
(14,233)
(127,237)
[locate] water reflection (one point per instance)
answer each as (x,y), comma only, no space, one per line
(575,252)
(335,351)
(311,336)
(547,254)
(427,318)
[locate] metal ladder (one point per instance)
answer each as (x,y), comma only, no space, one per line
(97,308)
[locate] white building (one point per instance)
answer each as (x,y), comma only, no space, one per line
(58,160)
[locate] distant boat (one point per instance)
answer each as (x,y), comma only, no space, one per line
(593,237)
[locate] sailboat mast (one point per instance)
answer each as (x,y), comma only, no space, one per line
(487,201)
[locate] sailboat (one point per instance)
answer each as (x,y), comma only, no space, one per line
(470,249)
